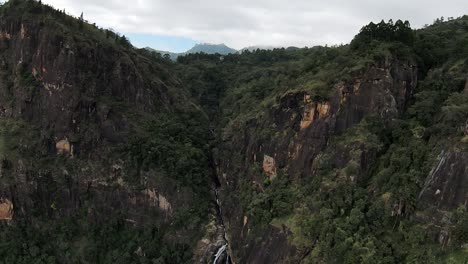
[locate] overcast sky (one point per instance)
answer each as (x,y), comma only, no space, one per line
(175,25)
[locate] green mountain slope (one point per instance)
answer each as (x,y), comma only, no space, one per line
(103,158)
(353,154)
(211,49)
(349,154)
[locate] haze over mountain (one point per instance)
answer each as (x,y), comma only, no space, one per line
(210,49)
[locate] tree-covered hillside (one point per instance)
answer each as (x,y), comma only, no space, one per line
(346,154)
(104,159)
(365,198)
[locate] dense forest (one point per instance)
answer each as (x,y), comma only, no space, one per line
(380,217)
(346,154)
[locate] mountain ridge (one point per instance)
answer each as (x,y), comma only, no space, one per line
(208,48)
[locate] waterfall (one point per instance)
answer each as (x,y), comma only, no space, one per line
(223,250)
(220,252)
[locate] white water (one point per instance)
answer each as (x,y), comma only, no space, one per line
(220,252)
(223,249)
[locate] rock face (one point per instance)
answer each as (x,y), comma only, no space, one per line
(76,93)
(382,89)
(313,111)
(62,99)
(269,166)
(446,186)
(64,147)
(6,209)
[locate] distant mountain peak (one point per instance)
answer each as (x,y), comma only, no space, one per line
(212,49)
(207,48)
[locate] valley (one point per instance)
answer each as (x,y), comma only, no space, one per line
(355,153)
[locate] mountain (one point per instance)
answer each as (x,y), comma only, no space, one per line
(211,49)
(172,55)
(198,48)
(89,164)
(350,154)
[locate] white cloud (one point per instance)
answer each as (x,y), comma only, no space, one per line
(240,23)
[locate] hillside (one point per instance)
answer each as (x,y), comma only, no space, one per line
(348,154)
(102,153)
(353,154)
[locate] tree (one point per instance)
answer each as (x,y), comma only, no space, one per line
(81,22)
(124,41)
(384,31)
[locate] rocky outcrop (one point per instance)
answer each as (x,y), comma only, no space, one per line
(158,200)
(269,166)
(64,147)
(313,111)
(446,186)
(68,78)
(299,130)
(6,209)
(82,98)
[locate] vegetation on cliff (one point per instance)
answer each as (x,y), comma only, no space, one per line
(380,216)
(103,155)
(123,171)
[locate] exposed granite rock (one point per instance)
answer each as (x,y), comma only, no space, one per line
(313,111)
(269,166)
(446,186)
(80,97)
(6,209)
(304,128)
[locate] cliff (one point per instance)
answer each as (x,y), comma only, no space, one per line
(381,90)
(349,154)
(81,114)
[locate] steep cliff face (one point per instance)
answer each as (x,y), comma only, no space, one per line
(80,115)
(446,185)
(68,74)
(301,131)
(58,85)
(352,154)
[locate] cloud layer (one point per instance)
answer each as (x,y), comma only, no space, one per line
(241,23)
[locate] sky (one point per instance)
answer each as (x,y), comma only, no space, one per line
(176,25)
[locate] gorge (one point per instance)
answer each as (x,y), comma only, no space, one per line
(350,154)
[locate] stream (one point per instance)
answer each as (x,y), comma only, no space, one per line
(222,254)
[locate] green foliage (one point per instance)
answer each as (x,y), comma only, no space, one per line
(370,219)
(344,214)
(456,257)
(460,229)
(441,42)
(384,31)
(17,139)
(61,22)
(275,200)
(69,241)
(176,145)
